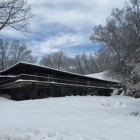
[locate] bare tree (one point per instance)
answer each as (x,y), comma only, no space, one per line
(104,59)
(68,64)
(122,35)
(20,52)
(93,62)
(79,64)
(15,14)
(94,67)
(54,60)
(86,66)
(4,53)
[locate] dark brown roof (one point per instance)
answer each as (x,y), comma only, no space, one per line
(28,68)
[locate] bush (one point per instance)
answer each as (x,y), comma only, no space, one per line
(6,96)
(136,114)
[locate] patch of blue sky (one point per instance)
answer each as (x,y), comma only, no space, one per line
(87,48)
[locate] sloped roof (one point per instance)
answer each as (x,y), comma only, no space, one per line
(23,67)
(102,76)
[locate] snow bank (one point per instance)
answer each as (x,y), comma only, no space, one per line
(105,103)
(6,95)
(118,103)
(4,99)
(124,105)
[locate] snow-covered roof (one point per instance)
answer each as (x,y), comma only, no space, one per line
(7,76)
(102,76)
(21,82)
(45,67)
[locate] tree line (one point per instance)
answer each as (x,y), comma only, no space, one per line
(12,52)
(121,35)
(80,63)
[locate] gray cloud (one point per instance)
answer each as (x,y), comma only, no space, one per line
(61,24)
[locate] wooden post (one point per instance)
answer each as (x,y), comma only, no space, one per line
(32,91)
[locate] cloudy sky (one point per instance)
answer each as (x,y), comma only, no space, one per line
(64,25)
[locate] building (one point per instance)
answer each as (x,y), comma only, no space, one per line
(30,81)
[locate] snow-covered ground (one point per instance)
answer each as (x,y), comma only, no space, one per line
(70,118)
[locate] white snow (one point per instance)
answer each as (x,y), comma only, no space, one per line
(105,103)
(70,118)
(102,76)
(124,105)
(118,103)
